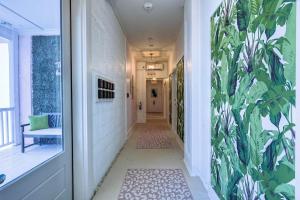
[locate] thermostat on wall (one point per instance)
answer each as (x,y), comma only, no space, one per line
(105,89)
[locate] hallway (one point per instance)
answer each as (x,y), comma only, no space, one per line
(149,100)
(132,158)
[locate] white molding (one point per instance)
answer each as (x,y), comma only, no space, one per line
(187,165)
(178,139)
(211,192)
(79,96)
(180,143)
(195,172)
(130,131)
(36,32)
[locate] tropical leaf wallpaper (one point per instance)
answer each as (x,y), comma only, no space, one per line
(180,98)
(170,98)
(253,98)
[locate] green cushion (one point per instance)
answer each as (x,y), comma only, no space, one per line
(38,122)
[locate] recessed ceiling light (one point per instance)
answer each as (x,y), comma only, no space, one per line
(148,6)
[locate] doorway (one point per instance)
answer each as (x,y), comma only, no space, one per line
(155,99)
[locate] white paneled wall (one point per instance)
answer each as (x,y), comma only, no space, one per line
(141,94)
(107,58)
(25,76)
(131,107)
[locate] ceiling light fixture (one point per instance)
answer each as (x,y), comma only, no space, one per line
(151,55)
(148,7)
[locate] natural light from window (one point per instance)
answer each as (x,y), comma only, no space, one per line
(30,88)
(4,75)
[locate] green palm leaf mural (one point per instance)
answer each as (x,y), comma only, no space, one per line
(253,97)
(180,98)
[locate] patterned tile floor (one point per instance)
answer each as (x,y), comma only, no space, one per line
(132,158)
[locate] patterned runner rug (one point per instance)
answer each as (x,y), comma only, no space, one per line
(155,184)
(154,141)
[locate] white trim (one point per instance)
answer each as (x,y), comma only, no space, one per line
(3,39)
(187,162)
(65,27)
(211,192)
(35,32)
(15,87)
(79,89)
(191,169)
(178,139)
(130,131)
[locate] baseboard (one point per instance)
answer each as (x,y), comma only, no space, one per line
(129,134)
(188,167)
(211,192)
(107,171)
(188,164)
(178,139)
(179,142)
(130,131)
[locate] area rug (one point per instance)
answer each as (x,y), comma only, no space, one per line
(153,141)
(155,184)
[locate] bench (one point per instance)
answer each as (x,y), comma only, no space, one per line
(53,132)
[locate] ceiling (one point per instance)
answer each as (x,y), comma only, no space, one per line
(35,16)
(145,55)
(155,30)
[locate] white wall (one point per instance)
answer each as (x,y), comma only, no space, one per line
(166,98)
(99,48)
(177,50)
(197,87)
(25,78)
(141,94)
(176,54)
(131,107)
(106,57)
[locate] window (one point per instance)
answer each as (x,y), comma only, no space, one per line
(30,88)
(4,75)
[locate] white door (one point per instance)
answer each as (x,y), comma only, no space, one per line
(52,178)
(154,97)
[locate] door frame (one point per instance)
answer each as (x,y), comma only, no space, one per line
(161,82)
(81,145)
(34,182)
